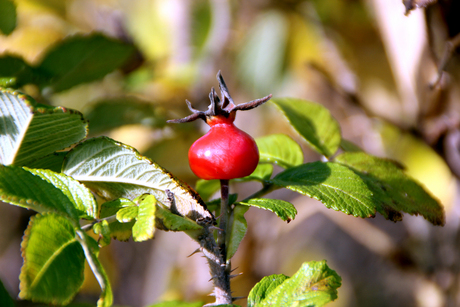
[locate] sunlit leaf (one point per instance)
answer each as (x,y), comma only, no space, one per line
(279,149)
(264,287)
(103,230)
(237,228)
(313,122)
(144,228)
(20,187)
(7,16)
(392,187)
(314,284)
(82,58)
(51,255)
(335,185)
(30,131)
(285,210)
(174,222)
(118,231)
(127,214)
(82,199)
(262,173)
(114,170)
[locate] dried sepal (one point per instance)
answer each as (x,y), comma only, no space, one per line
(220,106)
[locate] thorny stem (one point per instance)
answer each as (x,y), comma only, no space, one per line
(224,213)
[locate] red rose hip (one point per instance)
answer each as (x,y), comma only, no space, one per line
(225,152)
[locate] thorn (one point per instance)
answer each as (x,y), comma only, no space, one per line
(195,252)
(235,275)
(215,228)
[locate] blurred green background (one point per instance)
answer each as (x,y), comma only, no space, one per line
(366,61)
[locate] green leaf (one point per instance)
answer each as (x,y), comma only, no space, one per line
(103,230)
(207,188)
(236,230)
(313,122)
(7,16)
(214,205)
(144,228)
(20,187)
(82,58)
(14,70)
(30,131)
(279,149)
(52,162)
(118,231)
(5,298)
(51,255)
(395,190)
(174,222)
(335,185)
(91,249)
(112,113)
(285,210)
(264,287)
(82,199)
(127,214)
(262,173)
(114,170)
(177,304)
(314,284)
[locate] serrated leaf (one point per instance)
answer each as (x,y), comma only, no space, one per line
(207,188)
(51,255)
(20,187)
(103,230)
(335,185)
(264,287)
(15,72)
(52,162)
(262,173)
(285,210)
(30,131)
(279,149)
(174,222)
(5,298)
(314,284)
(236,230)
(7,16)
(177,304)
(118,231)
(82,58)
(82,199)
(313,122)
(395,190)
(112,113)
(114,170)
(127,214)
(144,228)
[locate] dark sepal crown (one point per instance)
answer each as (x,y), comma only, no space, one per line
(220,106)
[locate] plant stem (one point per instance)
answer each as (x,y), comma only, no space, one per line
(224,214)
